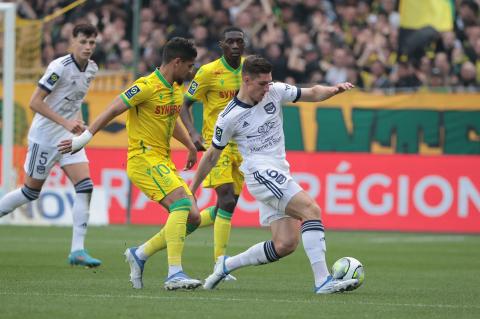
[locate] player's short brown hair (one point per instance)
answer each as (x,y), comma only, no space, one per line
(255,65)
(85,28)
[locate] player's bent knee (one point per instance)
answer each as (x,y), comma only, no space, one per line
(194,217)
(286,246)
(227,204)
(85,186)
(312,211)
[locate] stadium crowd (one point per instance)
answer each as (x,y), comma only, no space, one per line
(308,41)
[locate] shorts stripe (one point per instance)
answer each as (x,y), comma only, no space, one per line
(31,165)
(268,184)
(159,187)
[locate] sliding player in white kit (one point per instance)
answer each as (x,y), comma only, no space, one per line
(57,101)
(254,120)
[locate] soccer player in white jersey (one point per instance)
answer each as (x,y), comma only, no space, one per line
(57,101)
(254,120)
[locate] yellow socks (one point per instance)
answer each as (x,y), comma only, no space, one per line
(207,216)
(175,229)
(221,232)
(158,241)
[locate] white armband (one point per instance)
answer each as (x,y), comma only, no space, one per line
(78,142)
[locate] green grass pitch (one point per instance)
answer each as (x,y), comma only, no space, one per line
(407,276)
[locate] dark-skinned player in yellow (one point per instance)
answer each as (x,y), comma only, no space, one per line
(215,84)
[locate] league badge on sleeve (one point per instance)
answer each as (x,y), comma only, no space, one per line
(193,87)
(132,91)
(53,78)
(218,133)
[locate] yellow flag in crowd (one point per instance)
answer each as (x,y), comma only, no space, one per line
(416,14)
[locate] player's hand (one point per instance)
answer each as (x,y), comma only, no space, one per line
(342,87)
(198,141)
(191,159)
(75,126)
(75,144)
(65,146)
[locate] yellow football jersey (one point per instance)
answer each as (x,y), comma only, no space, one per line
(154,109)
(215,84)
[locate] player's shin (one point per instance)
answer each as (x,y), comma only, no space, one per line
(175,229)
(158,242)
(207,216)
(258,254)
(221,232)
(17,198)
(313,238)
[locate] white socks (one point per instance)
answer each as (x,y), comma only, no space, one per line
(313,238)
(17,198)
(81,214)
(258,254)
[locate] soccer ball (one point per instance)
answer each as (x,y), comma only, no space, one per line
(349,268)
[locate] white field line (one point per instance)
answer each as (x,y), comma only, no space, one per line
(417,239)
(229,300)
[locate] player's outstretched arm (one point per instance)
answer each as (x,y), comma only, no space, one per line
(319,93)
(38,105)
(73,145)
(208,161)
(187,120)
(181,135)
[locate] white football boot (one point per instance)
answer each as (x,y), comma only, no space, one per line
(331,285)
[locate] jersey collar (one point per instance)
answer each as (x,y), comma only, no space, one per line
(162,79)
(241,104)
(78,65)
(229,68)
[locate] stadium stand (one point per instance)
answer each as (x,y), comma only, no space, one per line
(322,41)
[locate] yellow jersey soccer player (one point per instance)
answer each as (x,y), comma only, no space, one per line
(153,103)
(215,84)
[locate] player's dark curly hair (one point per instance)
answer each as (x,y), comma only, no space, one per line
(179,47)
(255,65)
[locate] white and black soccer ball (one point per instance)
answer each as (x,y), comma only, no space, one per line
(349,268)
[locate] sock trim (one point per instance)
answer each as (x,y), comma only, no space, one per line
(270,251)
(312,225)
(191,228)
(212,210)
(30,193)
(224,214)
(181,204)
(84,186)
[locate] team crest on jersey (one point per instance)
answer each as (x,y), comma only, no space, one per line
(193,87)
(218,133)
(132,91)
(53,78)
(270,108)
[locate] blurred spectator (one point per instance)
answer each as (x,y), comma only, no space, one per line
(321,41)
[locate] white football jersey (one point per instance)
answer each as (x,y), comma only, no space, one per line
(257,129)
(67,86)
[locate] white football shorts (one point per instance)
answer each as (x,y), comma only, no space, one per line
(273,189)
(41,158)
